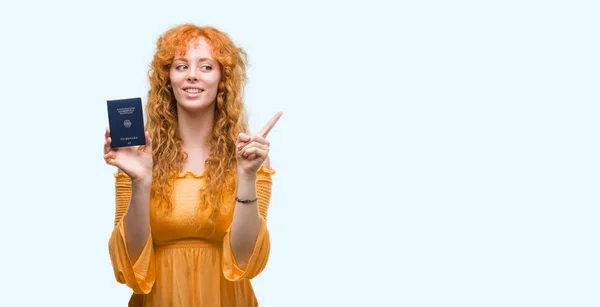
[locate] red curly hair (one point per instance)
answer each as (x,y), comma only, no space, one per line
(230,115)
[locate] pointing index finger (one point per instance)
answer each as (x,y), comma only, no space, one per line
(265,131)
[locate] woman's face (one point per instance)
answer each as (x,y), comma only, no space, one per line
(195,77)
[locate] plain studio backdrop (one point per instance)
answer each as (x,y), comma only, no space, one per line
(430,153)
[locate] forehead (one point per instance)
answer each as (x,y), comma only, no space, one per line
(198,47)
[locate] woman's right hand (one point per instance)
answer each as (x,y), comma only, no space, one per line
(137,164)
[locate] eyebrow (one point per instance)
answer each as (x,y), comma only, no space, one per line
(201,59)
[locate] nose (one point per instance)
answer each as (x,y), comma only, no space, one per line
(192,75)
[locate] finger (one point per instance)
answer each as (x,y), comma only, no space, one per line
(106,136)
(241,141)
(259,139)
(254,150)
(242,137)
(109,156)
(148,141)
(254,144)
(265,131)
(107,147)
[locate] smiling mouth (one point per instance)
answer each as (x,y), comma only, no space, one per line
(193,90)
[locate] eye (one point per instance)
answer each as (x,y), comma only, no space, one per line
(206,67)
(181,67)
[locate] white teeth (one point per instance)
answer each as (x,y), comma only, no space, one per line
(193,90)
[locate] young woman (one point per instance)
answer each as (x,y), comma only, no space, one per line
(191,205)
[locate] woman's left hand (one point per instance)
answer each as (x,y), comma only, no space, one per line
(253,150)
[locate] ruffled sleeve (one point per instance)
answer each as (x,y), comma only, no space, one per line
(139,276)
(260,254)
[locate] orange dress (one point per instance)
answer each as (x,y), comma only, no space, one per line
(183,263)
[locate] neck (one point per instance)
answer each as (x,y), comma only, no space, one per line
(195,130)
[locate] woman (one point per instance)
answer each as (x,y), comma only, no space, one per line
(191,205)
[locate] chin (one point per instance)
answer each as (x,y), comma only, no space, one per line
(193,106)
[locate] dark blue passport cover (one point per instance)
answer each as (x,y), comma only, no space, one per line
(126,122)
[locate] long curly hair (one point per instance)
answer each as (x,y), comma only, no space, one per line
(230,116)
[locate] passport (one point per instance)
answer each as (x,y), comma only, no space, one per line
(126,122)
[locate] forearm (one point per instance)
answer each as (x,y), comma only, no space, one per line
(136,222)
(246,220)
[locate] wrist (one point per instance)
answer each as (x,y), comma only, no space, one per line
(245,177)
(142,182)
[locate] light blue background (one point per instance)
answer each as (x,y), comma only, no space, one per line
(431,153)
